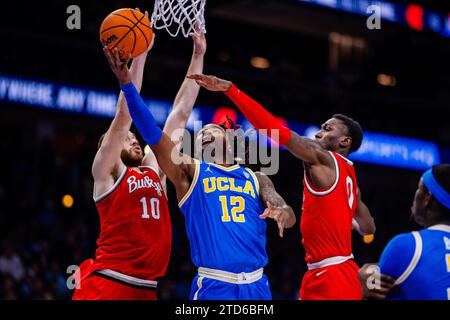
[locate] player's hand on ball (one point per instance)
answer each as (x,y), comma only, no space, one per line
(276,213)
(119,67)
(210,83)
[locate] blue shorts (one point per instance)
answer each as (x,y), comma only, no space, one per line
(210,289)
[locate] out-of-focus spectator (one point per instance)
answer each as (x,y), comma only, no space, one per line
(11,264)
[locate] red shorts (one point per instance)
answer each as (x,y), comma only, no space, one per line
(336,282)
(96,287)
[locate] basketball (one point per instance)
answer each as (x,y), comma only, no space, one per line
(128,30)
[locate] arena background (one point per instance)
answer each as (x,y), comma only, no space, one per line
(322,61)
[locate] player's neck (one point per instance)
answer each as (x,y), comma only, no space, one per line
(437,221)
(223,164)
(137,169)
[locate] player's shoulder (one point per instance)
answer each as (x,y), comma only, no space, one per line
(340,158)
(401,242)
(398,254)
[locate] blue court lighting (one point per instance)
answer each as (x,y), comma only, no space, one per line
(377,148)
(412,15)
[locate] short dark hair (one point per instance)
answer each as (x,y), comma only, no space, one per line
(441,173)
(354,130)
(241,136)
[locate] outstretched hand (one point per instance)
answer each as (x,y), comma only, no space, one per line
(119,67)
(199,41)
(211,83)
(277,214)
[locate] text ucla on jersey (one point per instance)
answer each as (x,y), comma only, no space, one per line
(221,210)
(420,261)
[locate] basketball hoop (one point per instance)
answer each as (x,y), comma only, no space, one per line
(176,15)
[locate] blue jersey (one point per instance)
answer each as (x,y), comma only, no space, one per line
(221,210)
(420,261)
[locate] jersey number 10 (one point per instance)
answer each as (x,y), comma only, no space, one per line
(154,207)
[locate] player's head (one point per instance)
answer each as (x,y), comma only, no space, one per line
(214,142)
(341,134)
(131,154)
(431,204)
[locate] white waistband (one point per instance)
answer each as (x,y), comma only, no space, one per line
(329,262)
(230,277)
(128,279)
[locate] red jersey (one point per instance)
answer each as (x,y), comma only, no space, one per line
(326,223)
(135,229)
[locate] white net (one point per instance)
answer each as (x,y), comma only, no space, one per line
(179,15)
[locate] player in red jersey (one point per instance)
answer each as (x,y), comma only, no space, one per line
(129,190)
(332,202)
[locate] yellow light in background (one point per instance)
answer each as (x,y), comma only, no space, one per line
(146,149)
(260,62)
(386,80)
(368,238)
(67,201)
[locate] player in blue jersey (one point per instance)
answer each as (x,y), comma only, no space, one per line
(416,265)
(224,206)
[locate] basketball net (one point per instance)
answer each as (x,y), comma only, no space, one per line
(176,15)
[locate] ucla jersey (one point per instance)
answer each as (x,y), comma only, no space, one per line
(420,261)
(221,210)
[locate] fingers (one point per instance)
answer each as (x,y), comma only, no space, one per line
(265,214)
(387,280)
(196,76)
(376,296)
(127,59)
(280,228)
(201,83)
(108,55)
(115,57)
(269,205)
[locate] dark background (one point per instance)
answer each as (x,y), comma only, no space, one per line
(45,154)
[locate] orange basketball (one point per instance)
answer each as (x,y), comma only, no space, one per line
(127,30)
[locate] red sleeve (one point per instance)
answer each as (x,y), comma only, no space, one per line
(259,117)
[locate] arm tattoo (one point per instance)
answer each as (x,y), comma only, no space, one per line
(267,191)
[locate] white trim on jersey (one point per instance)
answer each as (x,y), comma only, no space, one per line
(128,279)
(107,193)
(348,161)
(414,261)
(255,178)
(199,285)
(329,262)
(193,183)
(230,277)
(328,191)
(440,227)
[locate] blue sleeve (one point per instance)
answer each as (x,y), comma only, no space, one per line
(141,115)
(397,255)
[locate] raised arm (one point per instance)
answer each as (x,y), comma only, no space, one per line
(363,221)
(187,94)
(178,168)
(183,104)
(306,149)
(276,207)
(107,164)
